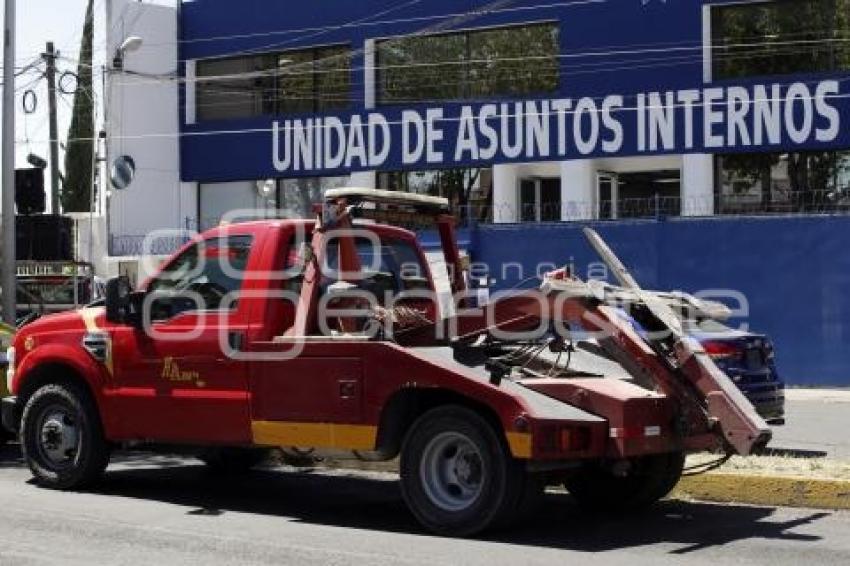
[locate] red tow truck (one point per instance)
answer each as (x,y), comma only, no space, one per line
(327,335)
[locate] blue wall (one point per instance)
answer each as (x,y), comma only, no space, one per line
(795,273)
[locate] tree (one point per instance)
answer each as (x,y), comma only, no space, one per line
(79,178)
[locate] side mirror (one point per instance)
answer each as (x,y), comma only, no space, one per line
(118,293)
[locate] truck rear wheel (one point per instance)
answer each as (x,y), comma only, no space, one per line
(650,478)
(62,438)
(456,475)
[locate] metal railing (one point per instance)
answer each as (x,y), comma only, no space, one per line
(836,202)
(135,246)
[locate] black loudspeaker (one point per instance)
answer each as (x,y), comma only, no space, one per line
(29,191)
(44,238)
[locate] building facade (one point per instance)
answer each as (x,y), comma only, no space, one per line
(528,115)
(525,111)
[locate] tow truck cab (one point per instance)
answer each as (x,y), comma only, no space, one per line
(246,340)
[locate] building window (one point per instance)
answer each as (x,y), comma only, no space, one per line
(780,37)
(783,183)
(649,194)
(290,82)
(297,196)
(510,61)
(540,200)
(645,194)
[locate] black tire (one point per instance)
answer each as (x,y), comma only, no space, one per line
(87,454)
(229,461)
(490,475)
(650,479)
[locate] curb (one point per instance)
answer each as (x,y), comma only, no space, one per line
(774,491)
(769,491)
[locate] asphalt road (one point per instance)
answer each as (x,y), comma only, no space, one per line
(159,510)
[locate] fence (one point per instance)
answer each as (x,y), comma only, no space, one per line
(792,270)
(792,273)
(659,207)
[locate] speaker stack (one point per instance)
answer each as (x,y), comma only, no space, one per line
(44,238)
(40,237)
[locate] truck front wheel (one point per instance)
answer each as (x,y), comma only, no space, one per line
(62,438)
(456,475)
(647,480)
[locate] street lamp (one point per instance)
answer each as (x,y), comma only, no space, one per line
(129,45)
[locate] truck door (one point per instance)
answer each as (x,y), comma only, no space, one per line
(318,399)
(174,382)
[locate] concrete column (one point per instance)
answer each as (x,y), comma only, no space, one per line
(188,218)
(578,190)
(698,185)
(191,116)
(506,193)
(370,77)
(364,180)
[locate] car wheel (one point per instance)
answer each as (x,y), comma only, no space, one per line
(62,438)
(456,475)
(649,479)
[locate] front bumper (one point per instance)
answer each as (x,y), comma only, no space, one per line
(10,414)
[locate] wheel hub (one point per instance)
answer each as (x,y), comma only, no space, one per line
(59,437)
(452,471)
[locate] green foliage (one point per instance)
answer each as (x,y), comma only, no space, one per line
(782,37)
(510,61)
(79,179)
(286,82)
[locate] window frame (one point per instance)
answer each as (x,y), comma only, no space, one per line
(712,45)
(250,240)
(381,100)
(272,91)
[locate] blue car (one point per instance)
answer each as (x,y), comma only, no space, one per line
(749,359)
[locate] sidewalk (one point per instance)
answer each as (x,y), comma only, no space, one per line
(817,421)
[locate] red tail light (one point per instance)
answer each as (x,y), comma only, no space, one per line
(721,350)
(560,440)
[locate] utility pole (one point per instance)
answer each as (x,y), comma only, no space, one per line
(8,282)
(50,58)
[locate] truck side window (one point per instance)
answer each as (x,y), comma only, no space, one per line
(213,269)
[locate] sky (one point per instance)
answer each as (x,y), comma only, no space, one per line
(60,21)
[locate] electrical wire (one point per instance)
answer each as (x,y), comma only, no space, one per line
(345,95)
(591,53)
(767,47)
(483,11)
(700,469)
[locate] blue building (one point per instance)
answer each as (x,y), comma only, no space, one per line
(709,137)
(559,110)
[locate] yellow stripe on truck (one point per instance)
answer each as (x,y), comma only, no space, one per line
(314,435)
(89,317)
(347,437)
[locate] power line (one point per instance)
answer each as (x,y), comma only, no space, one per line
(767,47)
(767,50)
(410,20)
(448,22)
(345,95)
